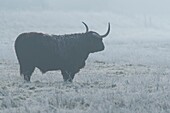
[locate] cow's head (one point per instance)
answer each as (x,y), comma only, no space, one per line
(95,40)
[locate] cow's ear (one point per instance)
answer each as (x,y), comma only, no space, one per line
(95,34)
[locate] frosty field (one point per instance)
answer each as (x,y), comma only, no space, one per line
(130,76)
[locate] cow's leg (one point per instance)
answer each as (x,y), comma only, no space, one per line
(66,76)
(72,75)
(27,72)
(73,72)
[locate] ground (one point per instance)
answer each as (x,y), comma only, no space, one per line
(100,87)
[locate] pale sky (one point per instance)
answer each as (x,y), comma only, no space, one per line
(124,6)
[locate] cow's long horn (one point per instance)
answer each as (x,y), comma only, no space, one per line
(102,36)
(87,29)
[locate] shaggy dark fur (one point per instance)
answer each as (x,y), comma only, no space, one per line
(67,53)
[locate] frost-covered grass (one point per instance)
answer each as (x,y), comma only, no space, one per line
(100,87)
(130,76)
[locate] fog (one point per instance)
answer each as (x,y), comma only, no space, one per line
(116,6)
(131,75)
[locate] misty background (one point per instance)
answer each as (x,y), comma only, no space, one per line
(130,76)
(117,6)
(137,26)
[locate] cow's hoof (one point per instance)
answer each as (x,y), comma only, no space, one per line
(68,81)
(26,78)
